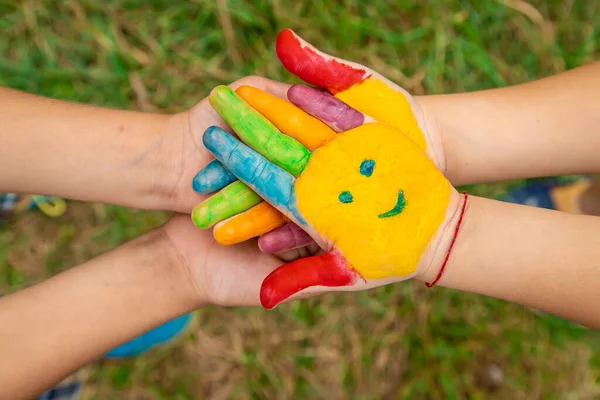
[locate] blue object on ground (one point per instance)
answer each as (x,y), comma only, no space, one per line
(151,339)
(536,194)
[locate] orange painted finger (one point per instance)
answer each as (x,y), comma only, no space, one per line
(356,85)
(287,117)
(254,222)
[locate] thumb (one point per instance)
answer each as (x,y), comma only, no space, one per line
(329,270)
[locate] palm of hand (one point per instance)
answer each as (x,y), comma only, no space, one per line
(359,96)
(370,196)
(220,275)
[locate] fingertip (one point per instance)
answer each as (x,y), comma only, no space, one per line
(220,91)
(326,107)
(246,91)
(270,297)
(264,243)
(214,176)
(200,216)
(287,39)
(263,102)
(225,234)
(212,135)
(315,67)
(287,237)
(298,92)
(221,96)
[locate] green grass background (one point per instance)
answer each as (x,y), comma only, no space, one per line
(400,341)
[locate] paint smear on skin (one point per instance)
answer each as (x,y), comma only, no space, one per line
(325,107)
(331,270)
(287,237)
(346,197)
(290,119)
(257,221)
(378,100)
(398,207)
(211,178)
(312,66)
(271,182)
(232,200)
(375,247)
(353,85)
(367,167)
(258,132)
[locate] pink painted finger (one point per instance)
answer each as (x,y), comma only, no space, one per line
(329,270)
(287,237)
(335,113)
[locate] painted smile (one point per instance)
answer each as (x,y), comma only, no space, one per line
(400,204)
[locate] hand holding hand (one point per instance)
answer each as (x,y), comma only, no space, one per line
(355,95)
(369,196)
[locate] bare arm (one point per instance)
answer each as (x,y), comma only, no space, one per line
(537,257)
(543,128)
(50,329)
(82,152)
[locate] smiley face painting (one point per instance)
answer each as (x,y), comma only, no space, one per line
(351,95)
(380,201)
(369,196)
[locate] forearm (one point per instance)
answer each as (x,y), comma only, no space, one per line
(77,151)
(536,257)
(543,128)
(52,328)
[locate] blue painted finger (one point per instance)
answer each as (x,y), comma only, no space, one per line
(270,181)
(211,178)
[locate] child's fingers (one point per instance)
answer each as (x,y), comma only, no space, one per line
(231,200)
(354,84)
(329,270)
(288,118)
(254,222)
(269,181)
(214,176)
(315,67)
(258,132)
(285,238)
(322,105)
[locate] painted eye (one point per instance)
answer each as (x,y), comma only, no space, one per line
(345,197)
(366,167)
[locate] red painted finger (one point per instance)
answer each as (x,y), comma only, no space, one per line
(316,67)
(330,270)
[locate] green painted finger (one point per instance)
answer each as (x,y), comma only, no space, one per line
(258,132)
(231,200)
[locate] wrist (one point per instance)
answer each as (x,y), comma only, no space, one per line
(443,248)
(172,271)
(440,112)
(172,159)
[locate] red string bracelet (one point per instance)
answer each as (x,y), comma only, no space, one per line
(462,214)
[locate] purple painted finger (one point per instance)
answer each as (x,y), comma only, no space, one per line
(322,105)
(287,237)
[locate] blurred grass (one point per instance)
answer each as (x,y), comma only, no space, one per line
(400,341)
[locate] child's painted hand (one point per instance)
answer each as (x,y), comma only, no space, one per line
(355,95)
(369,196)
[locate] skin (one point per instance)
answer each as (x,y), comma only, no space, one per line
(354,95)
(308,130)
(132,159)
(490,135)
(484,136)
(527,273)
(368,161)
